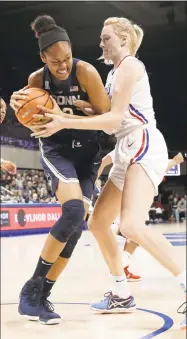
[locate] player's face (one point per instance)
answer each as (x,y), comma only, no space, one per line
(110,43)
(59,60)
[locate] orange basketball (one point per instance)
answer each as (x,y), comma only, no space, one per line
(35,96)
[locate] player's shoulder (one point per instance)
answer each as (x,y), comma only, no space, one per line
(131,62)
(84,68)
(133,67)
(36,78)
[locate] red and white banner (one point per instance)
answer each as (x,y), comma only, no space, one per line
(27,217)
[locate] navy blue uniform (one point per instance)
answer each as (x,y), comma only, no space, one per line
(70,155)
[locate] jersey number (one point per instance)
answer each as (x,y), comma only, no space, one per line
(67,110)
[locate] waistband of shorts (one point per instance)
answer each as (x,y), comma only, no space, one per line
(70,143)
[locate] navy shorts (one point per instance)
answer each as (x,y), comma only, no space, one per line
(77,164)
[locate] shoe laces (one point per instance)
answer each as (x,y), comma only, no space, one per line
(182,309)
(47,305)
(107,295)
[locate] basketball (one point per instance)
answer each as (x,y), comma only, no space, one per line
(35,96)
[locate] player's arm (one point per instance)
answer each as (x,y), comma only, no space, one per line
(106,161)
(92,84)
(34,80)
(130,72)
(178,159)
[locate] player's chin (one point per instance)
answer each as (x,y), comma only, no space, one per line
(62,76)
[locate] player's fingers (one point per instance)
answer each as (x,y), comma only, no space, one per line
(37,134)
(89,111)
(39,116)
(24,88)
(54,101)
(82,104)
(44,109)
(49,115)
(38,127)
(18,96)
(14,103)
(42,135)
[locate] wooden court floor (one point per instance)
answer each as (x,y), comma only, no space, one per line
(86,279)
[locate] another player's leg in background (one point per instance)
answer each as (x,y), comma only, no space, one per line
(129,249)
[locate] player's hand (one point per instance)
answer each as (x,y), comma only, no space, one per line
(8,166)
(179,158)
(56,124)
(84,106)
(18,95)
(2,110)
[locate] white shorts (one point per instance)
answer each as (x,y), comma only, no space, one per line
(144,146)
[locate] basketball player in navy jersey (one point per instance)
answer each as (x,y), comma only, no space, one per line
(70,158)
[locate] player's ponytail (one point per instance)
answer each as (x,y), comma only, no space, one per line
(139,33)
(43,24)
(48,32)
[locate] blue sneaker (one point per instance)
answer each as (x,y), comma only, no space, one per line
(29,304)
(114,304)
(183,310)
(34,304)
(47,314)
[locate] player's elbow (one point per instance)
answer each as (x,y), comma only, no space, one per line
(103,109)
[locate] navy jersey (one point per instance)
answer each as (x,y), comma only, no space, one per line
(65,92)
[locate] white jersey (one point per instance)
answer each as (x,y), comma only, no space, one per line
(140,110)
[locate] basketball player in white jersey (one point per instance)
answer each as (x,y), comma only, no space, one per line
(139,163)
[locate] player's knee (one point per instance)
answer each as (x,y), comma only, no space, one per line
(70,221)
(130,228)
(94,223)
(71,244)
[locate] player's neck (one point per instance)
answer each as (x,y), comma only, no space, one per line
(117,60)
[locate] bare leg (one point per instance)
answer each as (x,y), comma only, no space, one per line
(106,210)
(130,246)
(133,216)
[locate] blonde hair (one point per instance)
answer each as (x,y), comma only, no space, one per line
(122,26)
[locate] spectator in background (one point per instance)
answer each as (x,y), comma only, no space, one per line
(2,110)
(28,186)
(19,181)
(166,205)
(180,211)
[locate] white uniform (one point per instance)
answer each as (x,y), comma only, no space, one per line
(138,139)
